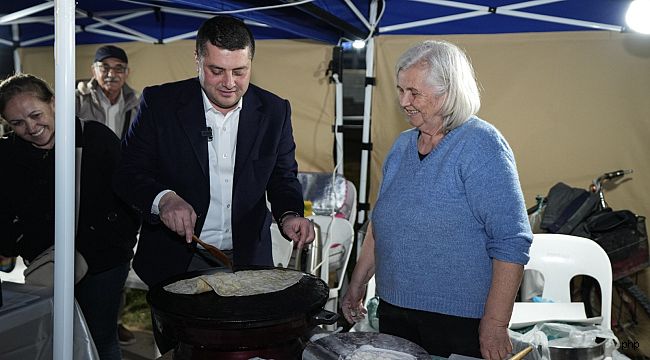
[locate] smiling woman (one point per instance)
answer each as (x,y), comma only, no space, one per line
(29,110)
(446,253)
(106,229)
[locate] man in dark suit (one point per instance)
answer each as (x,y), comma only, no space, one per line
(201,158)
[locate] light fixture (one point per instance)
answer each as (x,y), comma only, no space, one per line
(358,44)
(638,16)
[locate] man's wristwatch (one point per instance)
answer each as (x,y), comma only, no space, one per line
(286,215)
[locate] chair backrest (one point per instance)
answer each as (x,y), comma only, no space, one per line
(282,249)
(351,201)
(561,257)
(339,234)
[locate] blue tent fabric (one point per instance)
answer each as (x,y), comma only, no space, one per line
(328,21)
(611,12)
(325,21)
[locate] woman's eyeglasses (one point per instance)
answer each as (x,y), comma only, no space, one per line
(105,69)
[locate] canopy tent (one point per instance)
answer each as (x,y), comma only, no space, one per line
(524,75)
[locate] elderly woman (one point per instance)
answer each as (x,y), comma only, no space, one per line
(106,231)
(449,234)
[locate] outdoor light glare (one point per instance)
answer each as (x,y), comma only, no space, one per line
(638,16)
(358,44)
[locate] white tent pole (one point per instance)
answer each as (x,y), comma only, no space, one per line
(148,39)
(438,20)
(128,16)
(64,170)
(25,12)
(338,124)
(180,37)
(36,40)
(48,20)
(367,106)
(463,5)
(15,36)
(560,20)
(358,14)
(143,37)
(6,42)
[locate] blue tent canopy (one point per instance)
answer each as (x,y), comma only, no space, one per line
(156,21)
(330,21)
(423,17)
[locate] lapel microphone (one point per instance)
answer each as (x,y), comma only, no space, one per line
(207,133)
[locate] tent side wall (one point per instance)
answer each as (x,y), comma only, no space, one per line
(292,69)
(572,106)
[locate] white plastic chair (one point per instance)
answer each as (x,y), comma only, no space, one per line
(561,257)
(281,248)
(351,201)
(336,237)
(16,275)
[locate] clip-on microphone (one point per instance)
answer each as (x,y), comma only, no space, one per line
(207,133)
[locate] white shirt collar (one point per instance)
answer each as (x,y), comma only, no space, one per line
(207,105)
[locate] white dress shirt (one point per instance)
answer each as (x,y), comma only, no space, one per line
(217,229)
(111,110)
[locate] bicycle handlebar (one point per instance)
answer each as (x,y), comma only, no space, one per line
(618,173)
(611,175)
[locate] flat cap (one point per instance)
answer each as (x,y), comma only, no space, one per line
(110,51)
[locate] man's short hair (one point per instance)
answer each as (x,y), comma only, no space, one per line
(110,51)
(225,32)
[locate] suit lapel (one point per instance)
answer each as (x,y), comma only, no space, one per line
(249,128)
(191,116)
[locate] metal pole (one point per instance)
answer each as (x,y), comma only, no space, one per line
(338,134)
(64,209)
(367,106)
(15,36)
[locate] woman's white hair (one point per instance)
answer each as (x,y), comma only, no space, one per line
(451,74)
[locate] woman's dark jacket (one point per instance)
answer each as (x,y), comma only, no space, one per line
(107,228)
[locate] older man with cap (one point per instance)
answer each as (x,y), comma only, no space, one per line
(106,97)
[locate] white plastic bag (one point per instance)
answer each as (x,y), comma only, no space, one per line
(543,335)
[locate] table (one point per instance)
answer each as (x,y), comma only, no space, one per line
(26,325)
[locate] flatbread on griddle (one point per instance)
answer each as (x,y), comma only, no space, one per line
(189,286)
(241,283)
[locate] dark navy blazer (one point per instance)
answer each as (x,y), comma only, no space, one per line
(166,148)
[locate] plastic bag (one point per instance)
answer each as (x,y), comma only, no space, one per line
(373,318)
(545,335)
(536,214)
